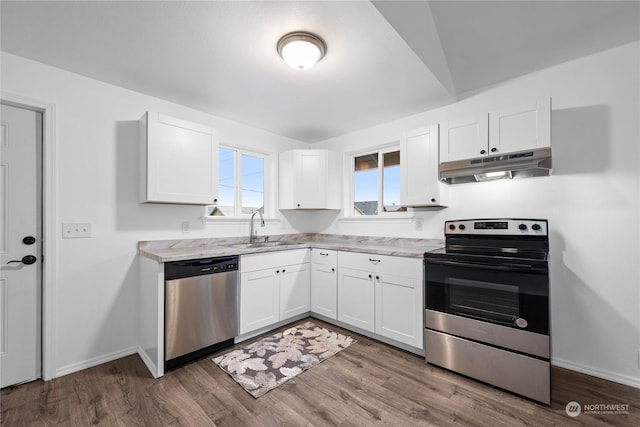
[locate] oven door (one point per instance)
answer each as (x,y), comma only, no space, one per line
(511,293)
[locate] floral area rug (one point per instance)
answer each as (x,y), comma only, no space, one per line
(269,362)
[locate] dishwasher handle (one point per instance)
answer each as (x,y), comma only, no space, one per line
(199,267)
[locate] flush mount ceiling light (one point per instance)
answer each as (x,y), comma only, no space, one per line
(301,50)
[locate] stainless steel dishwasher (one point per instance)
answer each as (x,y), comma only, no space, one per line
(201,308)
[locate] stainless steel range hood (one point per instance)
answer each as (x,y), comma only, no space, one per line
(521,164)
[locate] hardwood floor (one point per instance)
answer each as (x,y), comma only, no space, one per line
(368,383)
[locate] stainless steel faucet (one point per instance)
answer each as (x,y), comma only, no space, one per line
(253,235)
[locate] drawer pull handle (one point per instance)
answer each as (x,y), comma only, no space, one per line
(323,254)
(375,261)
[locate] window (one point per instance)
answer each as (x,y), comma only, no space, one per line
(376,183)
(240,183)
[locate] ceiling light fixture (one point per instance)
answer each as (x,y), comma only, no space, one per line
(301,50)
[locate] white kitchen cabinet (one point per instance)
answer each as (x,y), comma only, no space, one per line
(259,299)
(464,138)
(324,282)
(274,286)
(419,175)
(399,305)
(520,128)
(294,290)
(178,161)
(382,294)
(509,130)
(356,298)
(310,179)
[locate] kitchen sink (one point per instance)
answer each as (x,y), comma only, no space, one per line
(263,245)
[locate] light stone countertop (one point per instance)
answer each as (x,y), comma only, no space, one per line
(180,250)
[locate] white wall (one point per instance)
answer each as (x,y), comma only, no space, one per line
(591,201)
(97,182)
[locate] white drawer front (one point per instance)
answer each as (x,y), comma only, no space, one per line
(402,266)
(324,256)
(261,261)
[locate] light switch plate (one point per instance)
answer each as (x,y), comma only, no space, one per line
(76,230)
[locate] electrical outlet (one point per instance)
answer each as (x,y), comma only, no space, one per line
(76,230)
(419,223)
(186,226)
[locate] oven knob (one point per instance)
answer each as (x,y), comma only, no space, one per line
(452,227)
(522,227)
(536,227)
(462,227)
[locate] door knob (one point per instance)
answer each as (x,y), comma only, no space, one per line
(29,240)
(27,260)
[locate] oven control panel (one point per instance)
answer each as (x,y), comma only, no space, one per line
(497,227)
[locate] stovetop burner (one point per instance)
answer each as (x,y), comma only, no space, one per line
(524,239)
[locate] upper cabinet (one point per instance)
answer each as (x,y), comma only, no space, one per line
(464,138)
(419,185)
(520,128)
(178,161)
(509,130)
(310,179)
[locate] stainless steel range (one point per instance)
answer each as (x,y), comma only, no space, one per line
(487,304)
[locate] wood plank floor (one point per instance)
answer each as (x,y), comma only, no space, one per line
(369,383)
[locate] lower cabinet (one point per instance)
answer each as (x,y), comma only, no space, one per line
(399,308)
(273,287)
(259,300)
(382,294)
(324,282)
(356,298)
(294,290)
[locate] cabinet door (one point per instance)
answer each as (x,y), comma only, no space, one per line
(324,290)
(310,179)
(420,185)
(465,138)
(294,290)
(259,299)
(356,294)
(520,128)
(179,161)
(399,308)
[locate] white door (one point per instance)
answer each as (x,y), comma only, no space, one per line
(520,128)
(464,138)
(419,168)
(294,290)
(399,308)
(259,300)
(356,295)
(311,179)
(20,218)
(324,290)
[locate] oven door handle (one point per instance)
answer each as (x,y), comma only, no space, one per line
(516,267)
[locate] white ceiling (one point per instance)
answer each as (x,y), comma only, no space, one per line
(385,59)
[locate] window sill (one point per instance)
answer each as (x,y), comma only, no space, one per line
(236,219)
(398,218)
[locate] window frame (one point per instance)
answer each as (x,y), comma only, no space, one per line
(381,151)
(237,197)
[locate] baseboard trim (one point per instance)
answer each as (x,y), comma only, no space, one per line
(90,363)
(595,372)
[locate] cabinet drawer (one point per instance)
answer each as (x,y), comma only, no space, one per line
(324,256)
(261,261)
(407,267)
